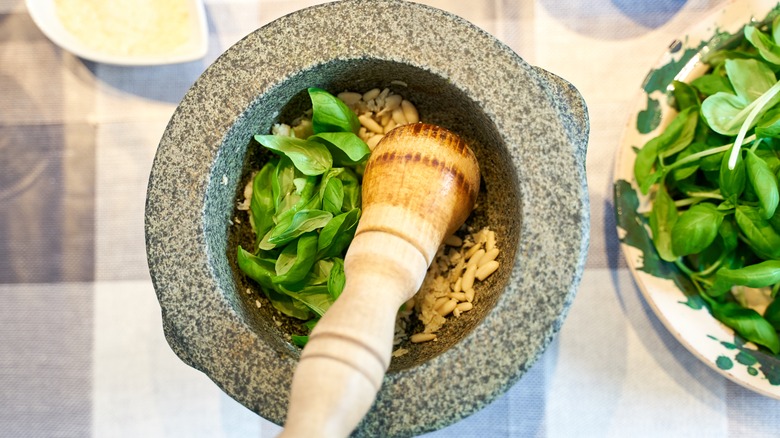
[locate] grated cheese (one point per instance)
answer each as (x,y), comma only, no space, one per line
(128,27)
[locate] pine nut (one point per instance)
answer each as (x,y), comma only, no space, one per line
(447,307)
(453,240)
(483,272)
(464,307)
(488,257)
(472,250)
(410,112)
(398,116)
(439,302)
(374,140)
(392,102)
(371,94)
(386,118)
(491,240)
(475,258)
(349,97)
(363,133)
(470,295)
(457,287)
(460,296)
(468,277)
(422,337)
(370,124)
(390,126)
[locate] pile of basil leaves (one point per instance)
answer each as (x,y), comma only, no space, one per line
(715,173)
(304,210)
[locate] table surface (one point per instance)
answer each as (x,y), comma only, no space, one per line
(81,346)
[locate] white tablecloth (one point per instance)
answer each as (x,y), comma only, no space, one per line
(82,352)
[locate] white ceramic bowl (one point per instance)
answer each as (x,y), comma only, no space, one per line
(44,14)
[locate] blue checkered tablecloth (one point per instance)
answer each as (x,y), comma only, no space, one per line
(82,352)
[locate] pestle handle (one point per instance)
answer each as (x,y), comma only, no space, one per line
(419,186)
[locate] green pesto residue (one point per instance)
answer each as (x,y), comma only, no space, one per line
(649,118)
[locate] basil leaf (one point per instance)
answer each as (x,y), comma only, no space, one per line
(337,234)
(296,260)
(673,139)
(262,203)
(772,313)
(262,271)
(302,222)
(761,274)
(725,112)
(337,279)
(330,114)
(316,298)
(769,124)
(351,188)
(761,41)
(662,219)
(747,322)
(282,184)
(760,236)
(299,340)
(712,83)
(764,183)
(306,200)
(685,95)
(682,172)
(346,148)
(728,234)
(695,229)
(732,181)
(333,197)
(309,157)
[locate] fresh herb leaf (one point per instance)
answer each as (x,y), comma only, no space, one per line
(764,184)
(345,147)
(330,114)
(336,279)
(309,157)
(662,219)
(695,229)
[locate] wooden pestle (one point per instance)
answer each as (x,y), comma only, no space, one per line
(419,186)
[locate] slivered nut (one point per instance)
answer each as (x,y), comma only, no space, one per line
(487,269)
(488,257)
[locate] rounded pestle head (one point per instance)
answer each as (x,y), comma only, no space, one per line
(420,183)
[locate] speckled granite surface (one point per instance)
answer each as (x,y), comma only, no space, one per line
(528,128)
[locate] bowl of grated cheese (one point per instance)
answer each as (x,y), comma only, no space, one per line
(501,286)
(125,32)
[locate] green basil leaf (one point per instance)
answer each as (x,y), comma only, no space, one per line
(299,340)
(685,95)
(309,157)
(728,234)
(337,279)
(302,222)
(330,114)
(683,172)
(761,41)
(262,271)
(764,183)
(769,124)
(305,200)
(333,197)
(673,139)
(759,234)
(296,260)
(724,112)
(761,274)
(351,188)
(732,181)
(712,83)
(695,229)
(337,234)
(662,219)
(282,184)
(316,298)
(772,313)
(262,203)
(747,322)
(346,148)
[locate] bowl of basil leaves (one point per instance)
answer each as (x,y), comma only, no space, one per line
(527,127)
(696,193)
